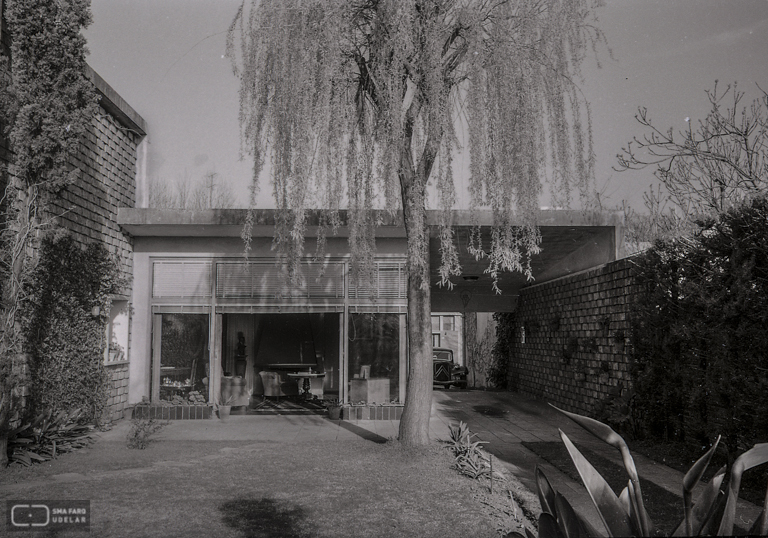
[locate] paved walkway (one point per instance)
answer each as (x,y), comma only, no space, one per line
(505,420)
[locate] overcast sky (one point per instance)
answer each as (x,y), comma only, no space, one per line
(166,59)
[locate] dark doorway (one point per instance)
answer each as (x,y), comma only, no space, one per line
(280,343)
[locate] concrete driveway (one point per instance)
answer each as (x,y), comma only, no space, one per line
(505,420)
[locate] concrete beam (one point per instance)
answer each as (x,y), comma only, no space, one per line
(111,101)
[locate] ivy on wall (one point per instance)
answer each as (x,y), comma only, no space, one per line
(64,320)
(498,373)
(699,338)
(46,106)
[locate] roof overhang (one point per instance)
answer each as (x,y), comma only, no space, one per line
(111,101)
(570,242)
(565,250)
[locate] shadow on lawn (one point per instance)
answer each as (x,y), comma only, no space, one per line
(362,432)
(265,518)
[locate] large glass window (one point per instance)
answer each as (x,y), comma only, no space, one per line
(374,358)
(184,356)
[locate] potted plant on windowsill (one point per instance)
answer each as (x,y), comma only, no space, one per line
(225,407)
(334,408)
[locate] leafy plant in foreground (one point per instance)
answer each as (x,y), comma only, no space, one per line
(47,436)
(141,431)
(469,458)
(625,515)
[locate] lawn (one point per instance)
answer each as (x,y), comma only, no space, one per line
(264,489)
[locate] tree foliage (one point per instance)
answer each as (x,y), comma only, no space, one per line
(63,336)
(707,169)
(207,193)
(369,92)
(47,105)
(363,104)
(701,352)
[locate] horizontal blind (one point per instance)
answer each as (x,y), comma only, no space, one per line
(181,279)
(264,280)
(389,282)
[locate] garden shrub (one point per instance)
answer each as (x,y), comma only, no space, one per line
(141,430)
(48,435)
(700,344)
(63,336)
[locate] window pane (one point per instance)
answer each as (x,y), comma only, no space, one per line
(374,340)
(435,324)
(448,323)
(184,358)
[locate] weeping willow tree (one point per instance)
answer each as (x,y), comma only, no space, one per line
(362,104)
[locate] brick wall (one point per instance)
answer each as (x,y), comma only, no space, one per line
(118,398)
(107,160)
(571,345)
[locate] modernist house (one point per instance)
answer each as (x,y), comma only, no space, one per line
(205,317)
(200,318)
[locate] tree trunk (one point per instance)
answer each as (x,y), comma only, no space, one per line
(414,424)
(22,227)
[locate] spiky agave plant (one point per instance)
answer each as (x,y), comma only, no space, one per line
(625,515)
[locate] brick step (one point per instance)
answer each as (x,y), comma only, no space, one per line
(367,412)
(172,412)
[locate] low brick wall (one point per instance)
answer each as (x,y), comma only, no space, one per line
(370,412)
(172,412)
(571,345)
(118,395)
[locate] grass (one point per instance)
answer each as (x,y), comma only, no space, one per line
(255,489)
(665,508)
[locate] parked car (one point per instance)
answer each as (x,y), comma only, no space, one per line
(445,371)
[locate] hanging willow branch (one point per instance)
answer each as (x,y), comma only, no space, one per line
(352,103)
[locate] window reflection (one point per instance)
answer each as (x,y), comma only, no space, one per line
(374,341)
(184,358)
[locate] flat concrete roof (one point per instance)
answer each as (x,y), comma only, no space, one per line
(571,242)
(146,222)
(111,101)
